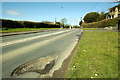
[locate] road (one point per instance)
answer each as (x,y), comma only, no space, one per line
(37,49)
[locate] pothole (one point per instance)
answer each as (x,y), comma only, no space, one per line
(40,65)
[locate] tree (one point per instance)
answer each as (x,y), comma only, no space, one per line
(80,23)
(91,17)
(63,21)
(101,17)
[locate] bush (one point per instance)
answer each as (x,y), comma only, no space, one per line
(57,23)
(67,26)
(76,26)
(101,24)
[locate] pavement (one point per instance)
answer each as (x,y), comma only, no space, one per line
(22,53)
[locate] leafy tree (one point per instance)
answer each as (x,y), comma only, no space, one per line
(91,17)
(80,23)
(102,16)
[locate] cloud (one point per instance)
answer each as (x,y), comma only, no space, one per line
(13,12)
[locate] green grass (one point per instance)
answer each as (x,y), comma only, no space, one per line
(24,29)
(97,53)
(90,28)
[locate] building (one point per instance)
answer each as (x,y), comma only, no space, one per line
(114,12)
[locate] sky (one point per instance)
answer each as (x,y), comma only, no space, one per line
(48,11)
(58,0)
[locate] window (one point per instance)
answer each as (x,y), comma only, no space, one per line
(112,16)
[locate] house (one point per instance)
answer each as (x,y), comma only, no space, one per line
(114,12)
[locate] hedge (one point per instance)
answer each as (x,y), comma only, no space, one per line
(101,24)
(27,24)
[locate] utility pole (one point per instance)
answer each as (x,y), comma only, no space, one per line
(61,15)
(118,1)
(55,20)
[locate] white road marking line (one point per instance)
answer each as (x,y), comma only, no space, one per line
(27,39)
(29,48)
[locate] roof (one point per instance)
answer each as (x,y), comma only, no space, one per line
(114,7)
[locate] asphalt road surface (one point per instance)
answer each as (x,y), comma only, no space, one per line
(25,49)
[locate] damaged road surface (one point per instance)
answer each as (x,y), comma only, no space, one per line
(37,55)
(41,66)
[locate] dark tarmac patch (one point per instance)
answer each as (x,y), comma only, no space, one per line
(41,66)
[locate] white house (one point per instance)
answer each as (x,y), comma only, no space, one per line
(114,12)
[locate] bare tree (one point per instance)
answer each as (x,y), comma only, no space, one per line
(63,21)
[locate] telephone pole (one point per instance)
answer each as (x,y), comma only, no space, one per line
(61,16)
(55,20)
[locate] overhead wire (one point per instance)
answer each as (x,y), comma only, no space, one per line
(94,6)
(96,3)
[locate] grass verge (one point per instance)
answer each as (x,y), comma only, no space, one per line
(96,56)
(90,28)
(24,29)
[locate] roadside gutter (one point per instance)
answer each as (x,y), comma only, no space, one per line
(63,69)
